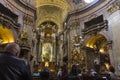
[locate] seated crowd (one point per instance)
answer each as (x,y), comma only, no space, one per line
(77,74)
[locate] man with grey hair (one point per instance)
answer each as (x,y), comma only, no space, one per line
(12,67)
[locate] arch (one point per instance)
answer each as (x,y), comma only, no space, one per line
(93,39)
(6,35)
(49,22)
(46,20)
(97,43)
(105,35)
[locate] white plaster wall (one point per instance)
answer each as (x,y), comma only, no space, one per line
(114,27)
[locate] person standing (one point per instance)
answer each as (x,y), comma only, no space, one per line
(59,74)
(45,74)
(12,67)
(64,72)
(74,73)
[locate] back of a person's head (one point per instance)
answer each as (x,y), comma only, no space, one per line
(74,70)
(74,66)
(12,48)
(79,70)
(112,69)
(45,74)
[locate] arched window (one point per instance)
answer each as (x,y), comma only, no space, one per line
(89,1)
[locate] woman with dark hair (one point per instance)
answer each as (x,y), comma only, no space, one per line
(112,69)
(64,73)
(73,73)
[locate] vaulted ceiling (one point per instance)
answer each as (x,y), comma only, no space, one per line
(52,10)
(56,10)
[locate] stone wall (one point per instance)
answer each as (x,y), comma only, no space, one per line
(114,27)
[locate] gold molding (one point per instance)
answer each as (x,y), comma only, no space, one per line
(63,4)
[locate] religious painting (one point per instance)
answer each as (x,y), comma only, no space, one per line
(47,52)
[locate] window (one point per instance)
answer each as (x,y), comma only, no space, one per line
(77,1)
(89,1)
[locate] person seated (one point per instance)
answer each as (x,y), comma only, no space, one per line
(93,73)
(36,74)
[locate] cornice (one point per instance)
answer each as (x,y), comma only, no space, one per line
(95,28)
(23,5)
(87,7)
(7,21)
(26,4)
(113,7)
(85,11)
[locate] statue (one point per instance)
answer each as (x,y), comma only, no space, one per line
(23,40)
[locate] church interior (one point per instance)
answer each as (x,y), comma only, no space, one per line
(53,33)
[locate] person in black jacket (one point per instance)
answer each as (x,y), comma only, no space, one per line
(74,73)
(12,67)
(45,74)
